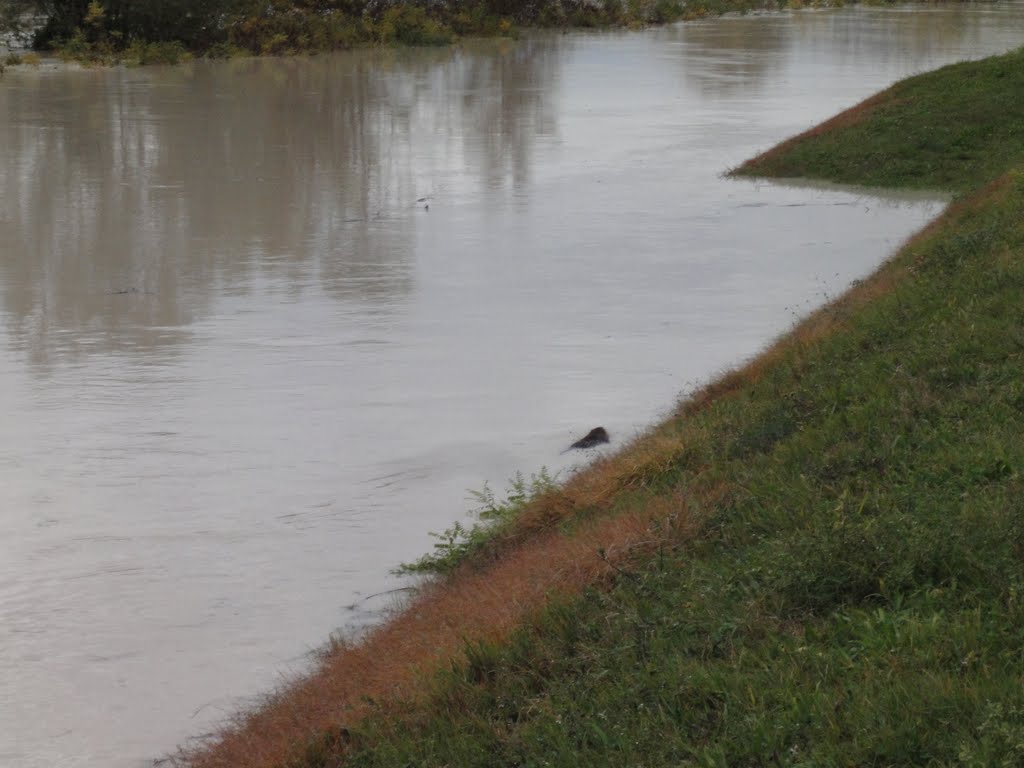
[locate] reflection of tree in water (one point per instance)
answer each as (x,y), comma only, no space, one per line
(132,199)
(506,103)
(729,56)
(737,55)
(890,36)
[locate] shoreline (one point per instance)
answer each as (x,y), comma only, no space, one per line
(676,490)
(398,23)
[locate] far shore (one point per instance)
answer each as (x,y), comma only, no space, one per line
(102,39)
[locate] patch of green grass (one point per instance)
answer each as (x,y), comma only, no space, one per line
(955,128)
(856,597)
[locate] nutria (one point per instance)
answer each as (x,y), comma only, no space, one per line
(594,437)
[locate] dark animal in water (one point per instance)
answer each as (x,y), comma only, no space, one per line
(130,291)
(594,437)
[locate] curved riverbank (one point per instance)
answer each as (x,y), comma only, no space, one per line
(815,561)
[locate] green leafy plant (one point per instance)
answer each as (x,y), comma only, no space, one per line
(458,543)
(411,25)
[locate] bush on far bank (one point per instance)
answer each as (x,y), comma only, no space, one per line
(101,30)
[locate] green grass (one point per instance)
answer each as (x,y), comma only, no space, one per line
(856,595)
(494,517)
(953,129)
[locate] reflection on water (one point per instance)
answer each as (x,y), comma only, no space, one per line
(134,197)
(244,368)
(741,53)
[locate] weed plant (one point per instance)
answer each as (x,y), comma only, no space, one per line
(461,543)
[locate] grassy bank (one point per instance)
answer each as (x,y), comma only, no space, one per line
(817,561)
(955,129)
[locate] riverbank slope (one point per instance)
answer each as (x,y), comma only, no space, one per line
(818,560)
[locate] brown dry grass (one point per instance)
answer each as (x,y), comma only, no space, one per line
(540,559)
(477,604)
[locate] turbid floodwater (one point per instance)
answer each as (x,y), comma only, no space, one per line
(264,322)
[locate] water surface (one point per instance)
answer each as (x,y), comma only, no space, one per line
(244,369)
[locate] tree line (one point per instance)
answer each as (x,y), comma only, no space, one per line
(200,24)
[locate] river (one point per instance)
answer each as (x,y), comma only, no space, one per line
(264,322)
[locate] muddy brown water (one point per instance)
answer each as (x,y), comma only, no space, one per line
(245,369)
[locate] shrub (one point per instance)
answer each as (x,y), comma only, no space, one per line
(410,25)
(142,53)
(192,23)
(459,543)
